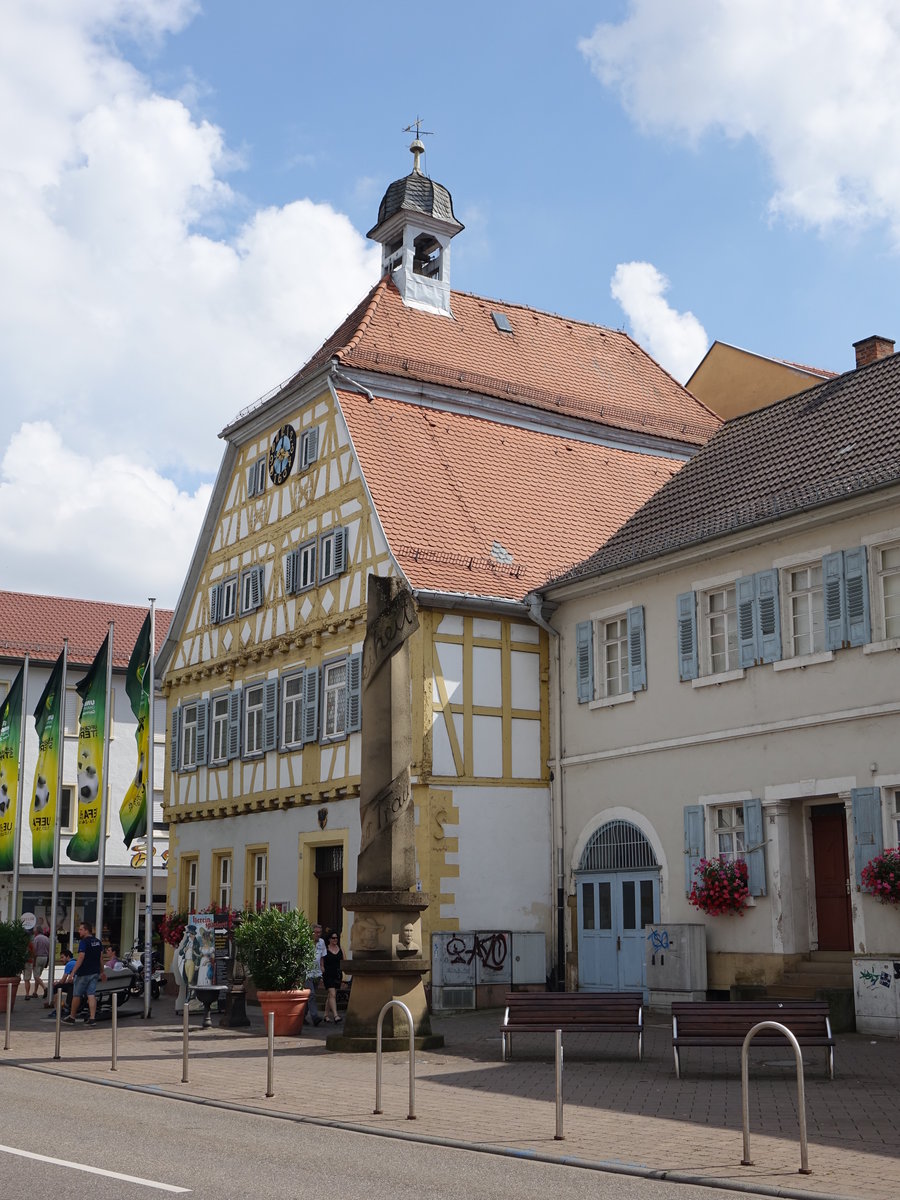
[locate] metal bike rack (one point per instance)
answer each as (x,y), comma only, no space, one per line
(412,1059)
(9,1000)
(746,1161)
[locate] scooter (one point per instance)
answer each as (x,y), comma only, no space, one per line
(134,962)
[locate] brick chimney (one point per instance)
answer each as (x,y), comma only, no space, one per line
(872,348)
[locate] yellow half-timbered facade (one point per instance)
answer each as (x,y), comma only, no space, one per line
(473,448)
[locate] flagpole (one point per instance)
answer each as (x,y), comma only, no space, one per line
(20,796)
(101,851)
(54,886)
(148,884)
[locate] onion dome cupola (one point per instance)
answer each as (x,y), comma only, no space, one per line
(415,227)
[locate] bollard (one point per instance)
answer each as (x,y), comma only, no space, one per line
(270,1073)
(9,997)
(57,1056)
(746,1161)
(186,1035)
(114,1065)
(559,1088)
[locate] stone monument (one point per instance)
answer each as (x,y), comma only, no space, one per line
(385,958)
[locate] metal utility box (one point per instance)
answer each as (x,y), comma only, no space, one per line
(876,994)
(476,968)
(675,957)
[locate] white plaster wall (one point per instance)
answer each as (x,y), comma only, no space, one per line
(504,859)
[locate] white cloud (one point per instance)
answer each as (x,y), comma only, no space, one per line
(96,526)
(813,82)
(676,340)
(124,321)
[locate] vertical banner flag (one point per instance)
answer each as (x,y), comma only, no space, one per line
(133,813)
(48,719)
(85,845)
(10,737)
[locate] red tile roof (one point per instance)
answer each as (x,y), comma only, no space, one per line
(36,625)
(547,362)
(448,486)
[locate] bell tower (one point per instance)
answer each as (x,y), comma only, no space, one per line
(415,226)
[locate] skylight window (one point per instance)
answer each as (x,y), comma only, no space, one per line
(501,320)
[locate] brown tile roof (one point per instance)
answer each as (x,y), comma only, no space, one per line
(836,439)
(547,363)
(36,625)
(448,486)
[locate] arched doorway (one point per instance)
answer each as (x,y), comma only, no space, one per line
(617,883)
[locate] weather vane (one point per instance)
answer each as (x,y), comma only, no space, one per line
(420,132)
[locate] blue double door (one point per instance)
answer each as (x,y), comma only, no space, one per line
(614,910)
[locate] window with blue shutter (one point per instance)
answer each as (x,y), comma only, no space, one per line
(174,740)
(755,847)
(584,660)
(311,705)
(745,595)
(290,572)
(686,609)
(868,838)
(846,585)
(309,447)
(234,724)
(215,603)
(637,648)
(694,842)
(202,729)
(354,693)
(270,714)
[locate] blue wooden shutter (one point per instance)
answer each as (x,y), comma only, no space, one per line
(769,616)
(584,660)
(755,847)
(270,714)
(687,636)
(312,445)
(856,593)
(340,551)
(174,744)
(311,705)
(747,620)
(693,842)
(202,727)
(833,587)
(234,724)
(258,585)
(354,693)
(867,833)
(637,648)
(290,572)
(215,604)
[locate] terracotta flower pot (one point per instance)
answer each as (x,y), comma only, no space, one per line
(7,981)
(289,1009)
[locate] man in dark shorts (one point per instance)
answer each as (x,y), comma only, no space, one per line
(86,973)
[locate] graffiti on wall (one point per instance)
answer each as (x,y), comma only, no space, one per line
(884,978)
(472,956)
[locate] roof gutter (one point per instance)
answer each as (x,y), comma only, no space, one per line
(354,383)
(465,602)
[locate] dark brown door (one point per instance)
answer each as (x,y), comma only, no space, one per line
(330,880)
(830,863)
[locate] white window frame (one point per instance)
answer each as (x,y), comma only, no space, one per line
(228,599)
(881,574)
(253,747)
(728,823)
(327,568)
(810,599)
(258,892)
(218,722)
(247,589)
(611,638)
(190,725)
(335,729)
(309,437)
(224,880)
(292,711)
(706,617)
(305,575)
(191,890)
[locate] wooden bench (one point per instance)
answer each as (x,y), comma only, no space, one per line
(727,1023)
(572,1012)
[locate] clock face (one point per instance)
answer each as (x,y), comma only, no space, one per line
(281,453)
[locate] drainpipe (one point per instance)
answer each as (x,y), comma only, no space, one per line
(557,791)
(354,383)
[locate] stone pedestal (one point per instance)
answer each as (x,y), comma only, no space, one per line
(386,959)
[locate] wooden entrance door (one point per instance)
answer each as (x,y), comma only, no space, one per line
(832,877)
(330,885)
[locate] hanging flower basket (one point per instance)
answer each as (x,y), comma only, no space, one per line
(881,876)
(721,887)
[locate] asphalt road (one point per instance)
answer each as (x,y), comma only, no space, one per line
(100,1135)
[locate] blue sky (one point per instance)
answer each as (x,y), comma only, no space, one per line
(186,188)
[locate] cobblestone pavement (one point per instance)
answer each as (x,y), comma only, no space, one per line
(618,1113)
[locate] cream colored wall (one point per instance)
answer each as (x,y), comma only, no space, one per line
(792,735)
(732,381)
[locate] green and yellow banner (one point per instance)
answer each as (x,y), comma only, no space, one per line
(10,738)
(133,812)
(85,845)
(48,720)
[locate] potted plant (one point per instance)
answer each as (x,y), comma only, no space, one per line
(881,876)
(14,939)
(278,951)
(721,887)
